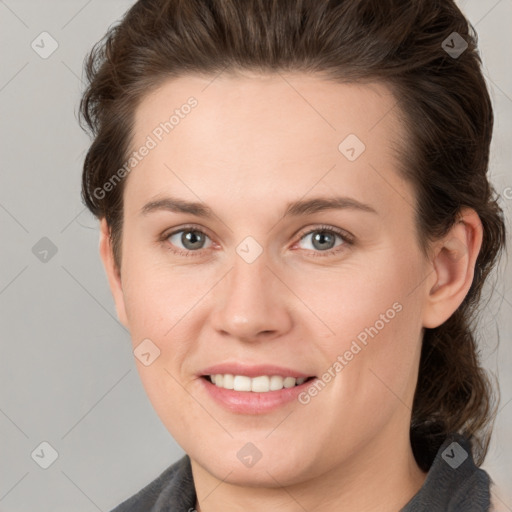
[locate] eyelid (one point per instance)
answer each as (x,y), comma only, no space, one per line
(345,235)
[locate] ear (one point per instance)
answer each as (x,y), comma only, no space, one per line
(454,267)
(112,271)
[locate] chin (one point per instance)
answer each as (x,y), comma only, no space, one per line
(275,468)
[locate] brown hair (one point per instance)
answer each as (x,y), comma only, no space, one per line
(442,99)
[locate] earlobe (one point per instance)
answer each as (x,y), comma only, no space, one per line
(112,271)
(454,267)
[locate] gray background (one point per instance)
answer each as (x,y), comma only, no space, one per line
(67,373)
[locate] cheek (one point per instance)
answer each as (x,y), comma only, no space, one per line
(377,324)
(361,298)
(157,295)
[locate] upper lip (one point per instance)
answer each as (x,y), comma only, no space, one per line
(252,370)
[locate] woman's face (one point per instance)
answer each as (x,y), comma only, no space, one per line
(301,261)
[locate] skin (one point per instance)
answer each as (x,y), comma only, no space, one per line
(253,144)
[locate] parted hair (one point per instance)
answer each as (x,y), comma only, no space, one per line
(441,98)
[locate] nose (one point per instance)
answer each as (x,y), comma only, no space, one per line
(251,303)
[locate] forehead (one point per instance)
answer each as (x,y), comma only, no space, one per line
(262,133)
(256,107)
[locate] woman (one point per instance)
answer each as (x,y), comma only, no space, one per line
(232,140)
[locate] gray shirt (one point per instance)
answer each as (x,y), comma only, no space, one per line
(453,484)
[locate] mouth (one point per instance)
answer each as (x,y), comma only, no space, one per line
(258,384)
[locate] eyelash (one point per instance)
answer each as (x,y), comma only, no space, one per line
(347,239)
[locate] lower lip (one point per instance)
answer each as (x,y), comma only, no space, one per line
(250,402)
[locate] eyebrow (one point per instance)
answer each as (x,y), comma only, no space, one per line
(293,209)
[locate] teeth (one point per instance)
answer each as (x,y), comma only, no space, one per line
(260,384)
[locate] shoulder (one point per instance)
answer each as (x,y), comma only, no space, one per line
(174,486)
(496,503)
(454,483)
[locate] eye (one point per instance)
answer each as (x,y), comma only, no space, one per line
(187,240)
(323,240)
